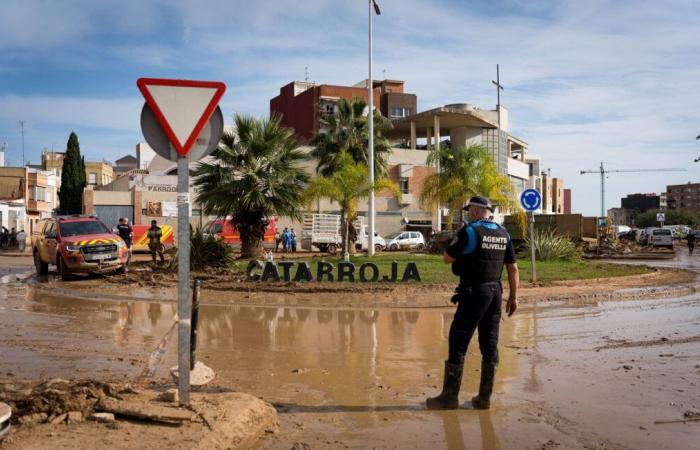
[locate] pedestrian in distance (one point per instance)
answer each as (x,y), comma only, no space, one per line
(691,241)
(477,254)
(4,238)
(126,232)
(285,238)
(154,245)
(22,240)
(13,237)
(278,240)
(293,240)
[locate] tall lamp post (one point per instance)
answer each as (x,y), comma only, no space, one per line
(371,4)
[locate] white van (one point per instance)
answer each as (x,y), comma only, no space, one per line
(660,237)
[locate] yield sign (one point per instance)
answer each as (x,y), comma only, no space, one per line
(182,107)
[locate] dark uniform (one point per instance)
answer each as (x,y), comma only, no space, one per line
(480,251)
(691,241)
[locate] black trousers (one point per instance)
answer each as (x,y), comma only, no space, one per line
(480,308)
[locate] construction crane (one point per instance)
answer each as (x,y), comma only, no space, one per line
(603,172)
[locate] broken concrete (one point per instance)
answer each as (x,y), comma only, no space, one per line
(102,417)
(145,411)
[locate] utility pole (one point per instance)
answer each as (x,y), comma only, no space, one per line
(21,125)
(603,172)
(372,4)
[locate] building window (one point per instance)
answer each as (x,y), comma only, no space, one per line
(37,193)
(403,185)
(92,178)
(397,113)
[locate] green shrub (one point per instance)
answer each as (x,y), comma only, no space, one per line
(550,247)
(206,251)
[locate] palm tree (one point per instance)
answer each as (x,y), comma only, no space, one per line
(348,131)
(345,186)
(465,172)
(255,175)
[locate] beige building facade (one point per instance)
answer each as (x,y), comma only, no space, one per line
(97,173)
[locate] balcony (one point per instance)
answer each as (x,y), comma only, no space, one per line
(37,206)
(518,169)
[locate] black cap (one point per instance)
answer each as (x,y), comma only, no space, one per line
(479,201)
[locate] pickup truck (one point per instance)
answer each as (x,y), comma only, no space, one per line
(77,244)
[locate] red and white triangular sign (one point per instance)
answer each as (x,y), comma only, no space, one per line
(182,107)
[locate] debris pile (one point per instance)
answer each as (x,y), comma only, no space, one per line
(609,248)
(55,399)
(62,401)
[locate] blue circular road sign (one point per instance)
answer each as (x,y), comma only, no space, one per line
(531,200)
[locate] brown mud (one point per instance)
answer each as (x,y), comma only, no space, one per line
(594,374)
(222,287)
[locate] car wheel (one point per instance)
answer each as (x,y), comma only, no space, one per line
(393,247)
(377,248)
(420,247)
(42,268)
(332,249)
(64,271)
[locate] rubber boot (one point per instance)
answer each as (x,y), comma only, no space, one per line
(488,373)
(448,398)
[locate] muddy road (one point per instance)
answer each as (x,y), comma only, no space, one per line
(595,376)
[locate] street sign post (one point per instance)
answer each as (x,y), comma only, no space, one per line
(184,110)
(661,218)
(531,200)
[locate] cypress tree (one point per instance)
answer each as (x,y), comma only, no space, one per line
(73,179)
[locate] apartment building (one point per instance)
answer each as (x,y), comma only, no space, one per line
(97,173)
(683,197)
(301,105)
(27,195)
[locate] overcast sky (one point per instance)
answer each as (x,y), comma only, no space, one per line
(585,81)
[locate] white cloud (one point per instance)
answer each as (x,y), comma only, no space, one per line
(608,80)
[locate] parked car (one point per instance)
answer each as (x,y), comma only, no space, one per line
(379,242)
(77,244)
(405,240)
(660,237)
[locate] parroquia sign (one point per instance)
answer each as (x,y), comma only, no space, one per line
(346,271)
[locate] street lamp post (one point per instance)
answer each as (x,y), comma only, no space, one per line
(371,4)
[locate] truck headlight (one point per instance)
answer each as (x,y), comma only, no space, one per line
(121,244)
(73,248)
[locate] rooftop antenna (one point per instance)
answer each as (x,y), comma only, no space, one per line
(384,73)
(499,88)
(21,125)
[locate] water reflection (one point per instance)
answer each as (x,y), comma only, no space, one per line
(316,360)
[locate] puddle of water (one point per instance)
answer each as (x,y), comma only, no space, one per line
(360,377)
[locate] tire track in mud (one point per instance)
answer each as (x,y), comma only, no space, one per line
(648,343)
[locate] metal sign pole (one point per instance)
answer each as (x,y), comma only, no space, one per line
(183,277)
(531,219)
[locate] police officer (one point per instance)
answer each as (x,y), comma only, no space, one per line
(477,255)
